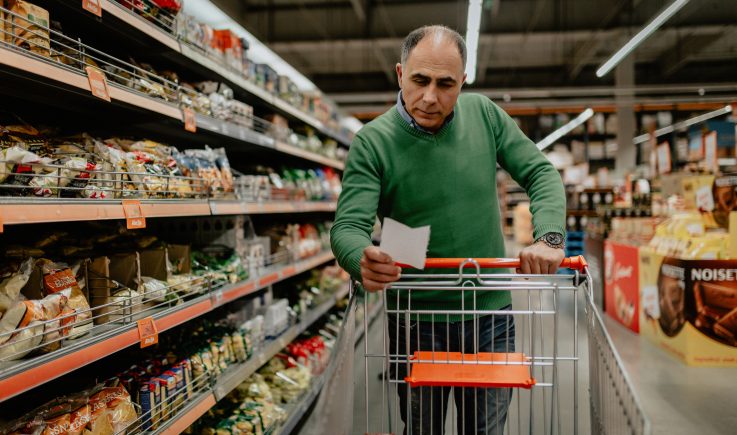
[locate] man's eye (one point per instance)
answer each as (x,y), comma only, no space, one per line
(421,81)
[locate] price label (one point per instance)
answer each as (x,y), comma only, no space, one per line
(147,332)
(217,297)
(190,121)
(134,218)
(98,83)
(92,6)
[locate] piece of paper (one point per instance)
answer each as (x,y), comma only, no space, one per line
(404,244)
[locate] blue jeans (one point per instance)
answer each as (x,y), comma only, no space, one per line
(478,410)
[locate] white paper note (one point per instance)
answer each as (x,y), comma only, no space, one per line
(404,244)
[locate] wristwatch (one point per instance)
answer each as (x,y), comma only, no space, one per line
(554,240)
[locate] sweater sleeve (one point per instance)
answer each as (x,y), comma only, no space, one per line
(357,206)
(529,167)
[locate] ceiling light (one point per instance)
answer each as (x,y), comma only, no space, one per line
(559,133)
(680,126)
(473,26)
(643,34)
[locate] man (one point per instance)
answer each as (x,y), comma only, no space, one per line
(431,160)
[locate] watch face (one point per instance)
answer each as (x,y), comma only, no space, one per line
(554,238)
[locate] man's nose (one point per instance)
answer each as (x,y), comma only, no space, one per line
(430,96)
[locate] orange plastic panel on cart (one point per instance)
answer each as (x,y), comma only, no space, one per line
(449,370)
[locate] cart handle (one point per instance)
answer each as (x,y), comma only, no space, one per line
(574,263)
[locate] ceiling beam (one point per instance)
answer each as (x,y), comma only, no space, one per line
(588,50)
(359,10)
(686,50)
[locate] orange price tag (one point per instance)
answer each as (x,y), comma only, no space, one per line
(190,121)
(134,218)
(98,83)
(148,332)
(92,6)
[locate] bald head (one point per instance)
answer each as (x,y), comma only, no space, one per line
(439,34)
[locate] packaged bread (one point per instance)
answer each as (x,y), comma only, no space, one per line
(28,27)
(58,277)
(13,281)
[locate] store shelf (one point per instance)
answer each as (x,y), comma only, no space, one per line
(299,152)
(236,375)
(196,408)
(62,77)
(28,210)
(15,211)
(235,291)
(188,54)
(16,378)
(272,207)
(233,131)
(298,410)
(65,77)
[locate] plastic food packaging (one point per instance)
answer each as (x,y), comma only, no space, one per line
(59,277)
(12,284)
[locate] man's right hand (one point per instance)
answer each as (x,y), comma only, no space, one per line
(378,269)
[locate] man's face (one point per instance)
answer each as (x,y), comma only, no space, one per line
(431,80)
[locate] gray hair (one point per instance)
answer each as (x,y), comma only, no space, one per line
(417,35)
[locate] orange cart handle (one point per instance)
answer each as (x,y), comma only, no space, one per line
(574,263)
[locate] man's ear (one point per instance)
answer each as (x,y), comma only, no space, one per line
(463,82)
(399,74)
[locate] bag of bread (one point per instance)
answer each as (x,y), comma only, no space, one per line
(58,277)
(80,414)
(28,27)
(21,330)
(13,280)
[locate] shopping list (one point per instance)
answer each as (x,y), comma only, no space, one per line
(405,244)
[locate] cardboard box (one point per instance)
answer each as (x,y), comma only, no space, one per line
(621,284)
(109,276)
(689,307)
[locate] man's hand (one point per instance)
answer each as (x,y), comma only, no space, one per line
(378,269)
(540,259)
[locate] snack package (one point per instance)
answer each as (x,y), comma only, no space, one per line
(225,172)
(29,27)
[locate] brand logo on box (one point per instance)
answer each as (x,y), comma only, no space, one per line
(713,274)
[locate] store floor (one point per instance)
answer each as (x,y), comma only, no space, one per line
(679,400)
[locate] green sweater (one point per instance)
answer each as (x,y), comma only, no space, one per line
(446,180)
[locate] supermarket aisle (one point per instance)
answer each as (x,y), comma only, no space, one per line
(680,400)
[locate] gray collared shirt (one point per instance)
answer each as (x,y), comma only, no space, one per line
(411,121)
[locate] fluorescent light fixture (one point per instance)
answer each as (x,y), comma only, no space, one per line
(473,27)
(559,133)
(206,12)
(680,126)
(643,34)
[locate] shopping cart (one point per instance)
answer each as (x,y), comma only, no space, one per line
(460,368)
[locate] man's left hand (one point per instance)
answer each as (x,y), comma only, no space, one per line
(540,258)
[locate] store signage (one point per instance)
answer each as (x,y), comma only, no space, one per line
(98,83)
(190,121)
(92,6)
(621,284)
(134,218)
(147,332)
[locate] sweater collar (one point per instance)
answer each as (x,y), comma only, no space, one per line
(411,121)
